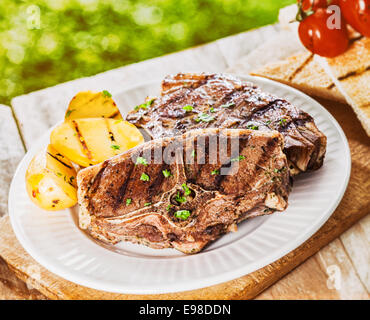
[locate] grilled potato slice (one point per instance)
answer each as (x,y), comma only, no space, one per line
(93,140)
(51,180)
(88,104)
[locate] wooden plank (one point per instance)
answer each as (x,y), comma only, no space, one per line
(329,274)
(267,52)
(38,111)
(11,152)
(12,288)
(356,242)
(240,45)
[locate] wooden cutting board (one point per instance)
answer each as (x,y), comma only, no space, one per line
(354,205)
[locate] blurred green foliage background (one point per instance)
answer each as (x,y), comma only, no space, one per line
(45,42)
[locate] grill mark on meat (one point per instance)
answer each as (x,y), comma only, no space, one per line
(262,160)
(173,83)
(237,100)
(122,189)
(295,125)
(230,96)
(94,185)
(206,84)
(96,181)
(175,98)
(205,157)
(156,184)
(223,179)
(303,119)
(264,109)
(178,97)
(219,179)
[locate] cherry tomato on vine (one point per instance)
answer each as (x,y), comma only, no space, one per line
(316,36)
(313,5)
(357,14)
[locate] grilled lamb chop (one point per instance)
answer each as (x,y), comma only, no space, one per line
(185,191)
(192,101)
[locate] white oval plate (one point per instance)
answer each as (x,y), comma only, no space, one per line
(55,241)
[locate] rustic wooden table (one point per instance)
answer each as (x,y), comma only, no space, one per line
(339,270)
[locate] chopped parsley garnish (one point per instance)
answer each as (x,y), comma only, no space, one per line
(144,105)
(252,126)
(228,105)
(268,122)
(106,94)
(182,214)
(179,198)
(141,160)
(186,189)
(282,122)
(115,147)
(69,112)
(279,170)
(128,201)
(215,172)
(204,117)
(71,179)
(147,204)
(237,158)
(59,174)
(193,153)
(188,108)
(166,173)
(212,109)
(144,177)
(169,207)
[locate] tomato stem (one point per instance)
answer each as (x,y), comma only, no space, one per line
(302,14)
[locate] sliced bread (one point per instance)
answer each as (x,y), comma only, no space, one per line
(302,72)
(351,74)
